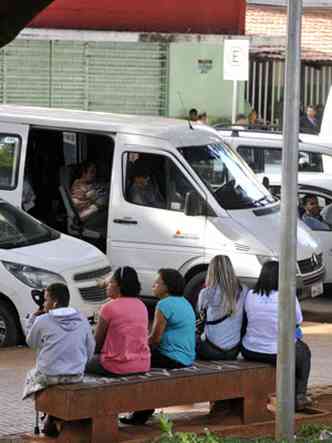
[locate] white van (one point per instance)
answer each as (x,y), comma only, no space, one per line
(262,150)
(32,256)
(212,201)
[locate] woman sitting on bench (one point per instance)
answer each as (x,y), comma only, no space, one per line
(122,330)
(221,304)
(261,338)
(172,338)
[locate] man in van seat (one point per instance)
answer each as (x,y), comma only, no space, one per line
(64,343)
(89,199)
(143,190)
(311,215)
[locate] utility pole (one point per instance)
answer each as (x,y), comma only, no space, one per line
(288,238)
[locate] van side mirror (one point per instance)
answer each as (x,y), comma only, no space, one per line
(194,204)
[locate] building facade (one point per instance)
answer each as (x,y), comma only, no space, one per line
(143,59)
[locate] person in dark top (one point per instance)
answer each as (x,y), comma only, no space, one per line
(143,190)
(193,115)
(309,123)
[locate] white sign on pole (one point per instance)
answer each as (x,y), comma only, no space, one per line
(236,59)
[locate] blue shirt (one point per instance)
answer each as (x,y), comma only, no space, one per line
(178,339)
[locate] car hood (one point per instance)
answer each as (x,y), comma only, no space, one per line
(266,227)
(58,255)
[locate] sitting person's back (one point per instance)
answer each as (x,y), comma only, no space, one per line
(64,343)
(61,335)
(222,301)
(122,330)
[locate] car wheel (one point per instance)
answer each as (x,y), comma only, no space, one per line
(9,330)
(193,288)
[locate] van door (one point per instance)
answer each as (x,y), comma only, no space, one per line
(13,141)
(149,229)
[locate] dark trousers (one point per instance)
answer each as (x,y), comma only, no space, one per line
(94,367)
(209,351)
(302,363)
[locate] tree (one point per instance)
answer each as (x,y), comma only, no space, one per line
(16,14)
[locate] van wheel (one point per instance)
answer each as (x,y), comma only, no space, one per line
(193,288)
(9,330)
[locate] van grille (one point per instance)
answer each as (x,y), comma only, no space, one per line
(93,293)
(311,264)
(96,273)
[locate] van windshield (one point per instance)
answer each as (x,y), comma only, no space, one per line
(17,229)
(227,176)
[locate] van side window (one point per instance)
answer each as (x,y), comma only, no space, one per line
(253,157)
(155,181)
(9,160)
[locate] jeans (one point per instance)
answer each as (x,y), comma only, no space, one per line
(206,350)
(302,363)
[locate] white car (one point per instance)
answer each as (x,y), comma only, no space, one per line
(32,256)
(262,151)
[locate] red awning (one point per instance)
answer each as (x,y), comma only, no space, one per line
(170,16)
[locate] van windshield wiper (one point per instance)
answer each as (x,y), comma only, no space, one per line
(260,200)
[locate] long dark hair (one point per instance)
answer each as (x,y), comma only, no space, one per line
(268,278)
(127,279)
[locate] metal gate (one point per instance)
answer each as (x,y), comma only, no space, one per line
(103,76)
(265,89)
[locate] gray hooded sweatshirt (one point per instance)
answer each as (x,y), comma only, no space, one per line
(63,340)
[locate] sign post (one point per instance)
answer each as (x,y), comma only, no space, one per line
(236,66)
(288,237)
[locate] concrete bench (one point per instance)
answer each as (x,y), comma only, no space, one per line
(100,400)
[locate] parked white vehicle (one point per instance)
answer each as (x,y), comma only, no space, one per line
(212,202)
(263,151)
(32,256)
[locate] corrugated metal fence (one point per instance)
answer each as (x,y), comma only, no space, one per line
(101,76)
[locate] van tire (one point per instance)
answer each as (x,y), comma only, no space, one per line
(193,288)
(9,330)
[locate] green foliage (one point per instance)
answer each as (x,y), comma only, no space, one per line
(308,433)
(311,432)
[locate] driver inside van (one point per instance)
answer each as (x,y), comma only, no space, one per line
(90,198)
(312,216)
(143,190)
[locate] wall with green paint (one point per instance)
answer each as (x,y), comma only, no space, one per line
(196,74)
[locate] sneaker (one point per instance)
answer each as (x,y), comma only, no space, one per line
(302,402)
(137,418)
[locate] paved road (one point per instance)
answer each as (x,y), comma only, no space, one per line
(17,416)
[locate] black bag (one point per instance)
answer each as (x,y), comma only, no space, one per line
(201,321)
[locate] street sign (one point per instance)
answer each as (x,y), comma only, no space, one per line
(236,59)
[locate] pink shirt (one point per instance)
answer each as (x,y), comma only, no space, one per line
(125,349)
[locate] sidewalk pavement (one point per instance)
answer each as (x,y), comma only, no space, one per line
(17,416)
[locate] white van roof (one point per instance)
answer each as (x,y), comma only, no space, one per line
(175,130)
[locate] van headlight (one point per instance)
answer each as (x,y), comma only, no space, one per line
(34,277)
(264,258)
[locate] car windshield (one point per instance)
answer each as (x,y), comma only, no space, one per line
(17,229)
(227,176)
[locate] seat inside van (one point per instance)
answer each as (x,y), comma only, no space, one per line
(53,159)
